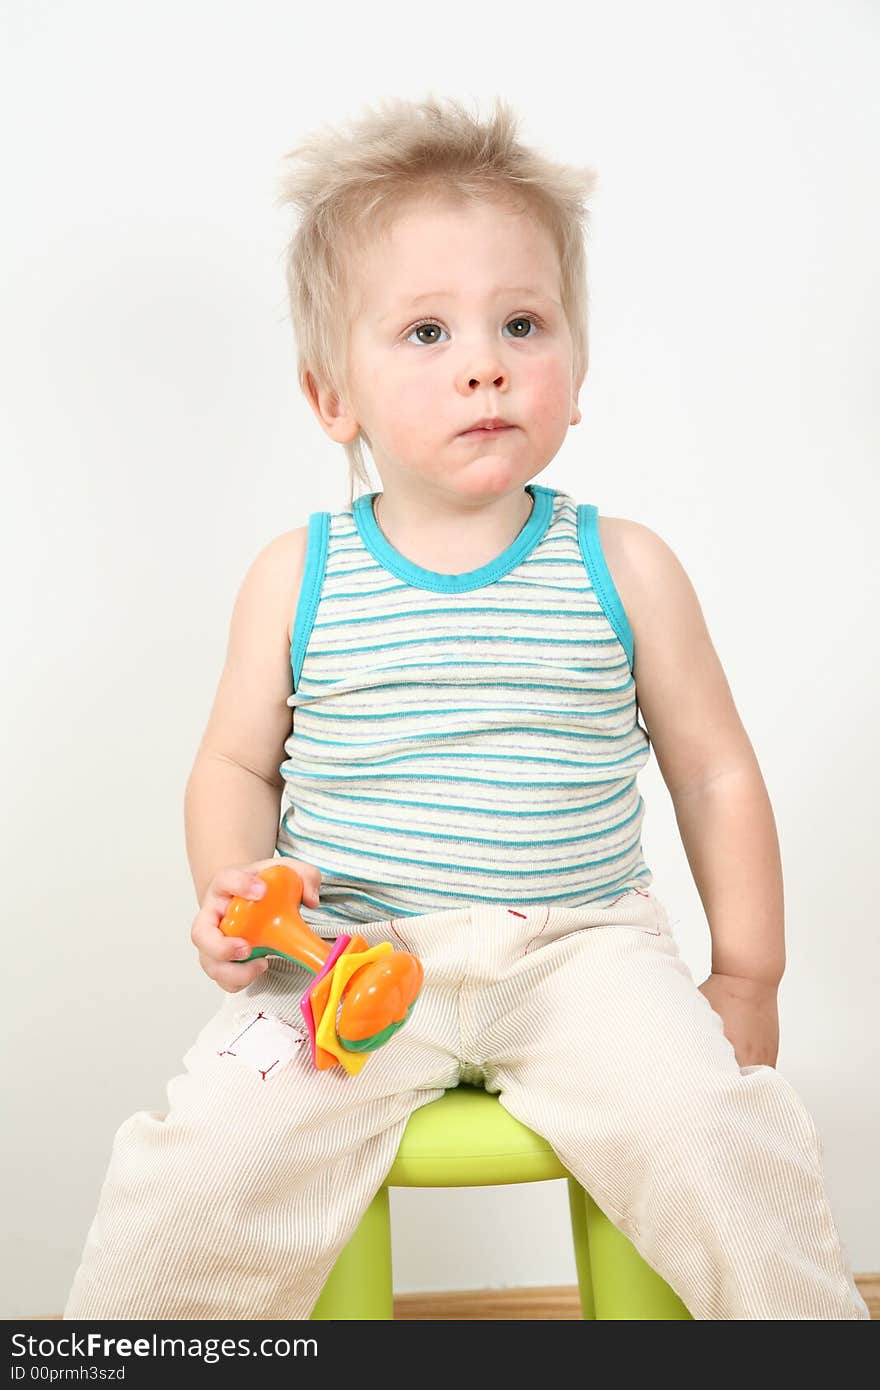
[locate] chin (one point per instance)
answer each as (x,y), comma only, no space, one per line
(491,474)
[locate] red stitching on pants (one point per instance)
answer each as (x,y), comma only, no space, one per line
(538,933)
(400,938)
(625,894)
(241,1035)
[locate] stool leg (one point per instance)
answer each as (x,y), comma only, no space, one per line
(625,1287)
(359,1286)
(577,1205)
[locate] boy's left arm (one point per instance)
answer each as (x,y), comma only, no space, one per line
(721,803)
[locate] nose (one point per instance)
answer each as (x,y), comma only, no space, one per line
(485,372)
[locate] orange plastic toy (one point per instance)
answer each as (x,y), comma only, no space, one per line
(376,986)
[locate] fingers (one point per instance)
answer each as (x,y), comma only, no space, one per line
(206,935)
(225,958)
(233,976)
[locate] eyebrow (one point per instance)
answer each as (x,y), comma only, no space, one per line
(446,294)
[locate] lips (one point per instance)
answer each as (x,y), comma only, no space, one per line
(485,434)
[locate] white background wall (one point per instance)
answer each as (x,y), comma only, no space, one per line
(154,439)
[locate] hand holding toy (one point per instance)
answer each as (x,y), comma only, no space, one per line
(376,986)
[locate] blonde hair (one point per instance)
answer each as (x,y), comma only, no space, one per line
(348,186)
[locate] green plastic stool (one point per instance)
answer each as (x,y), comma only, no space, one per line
(467,1139)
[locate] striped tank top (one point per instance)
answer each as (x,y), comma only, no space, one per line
(462,738)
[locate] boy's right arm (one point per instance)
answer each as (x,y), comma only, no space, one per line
(232,798)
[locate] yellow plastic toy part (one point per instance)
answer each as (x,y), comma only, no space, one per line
(325,1030)
(317,998)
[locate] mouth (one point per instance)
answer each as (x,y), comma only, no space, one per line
(487,433)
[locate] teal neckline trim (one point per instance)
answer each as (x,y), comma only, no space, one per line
(383,551)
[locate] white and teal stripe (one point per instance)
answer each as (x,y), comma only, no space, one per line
(462,739)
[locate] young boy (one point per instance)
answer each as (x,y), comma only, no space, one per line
(466,653)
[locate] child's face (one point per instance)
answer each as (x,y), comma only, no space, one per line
(416,388)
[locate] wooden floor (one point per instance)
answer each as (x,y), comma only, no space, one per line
(529,1305)
(490,1305)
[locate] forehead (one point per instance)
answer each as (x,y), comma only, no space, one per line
(457,249)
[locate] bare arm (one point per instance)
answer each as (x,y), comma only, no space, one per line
(706,758)
(729,834)
(230,817)
(233,796)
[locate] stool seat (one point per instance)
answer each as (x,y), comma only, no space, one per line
(468,1139)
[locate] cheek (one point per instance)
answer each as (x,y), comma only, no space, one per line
(384,398)
(397,387)
(420,391)
(547,387)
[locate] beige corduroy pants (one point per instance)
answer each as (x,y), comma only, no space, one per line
(591,1029)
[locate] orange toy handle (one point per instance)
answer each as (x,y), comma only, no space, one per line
(372,989)
(273,925)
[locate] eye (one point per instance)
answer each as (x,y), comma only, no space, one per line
(518,319)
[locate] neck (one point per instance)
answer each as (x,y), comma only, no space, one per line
(453,542)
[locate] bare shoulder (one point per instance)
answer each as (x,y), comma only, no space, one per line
(651,581)
(284,558)
(250,718)
(683,692)
(631,550)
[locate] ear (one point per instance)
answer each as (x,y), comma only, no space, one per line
(576,415)
(332,413)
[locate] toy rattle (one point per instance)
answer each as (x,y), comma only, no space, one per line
(376,986)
